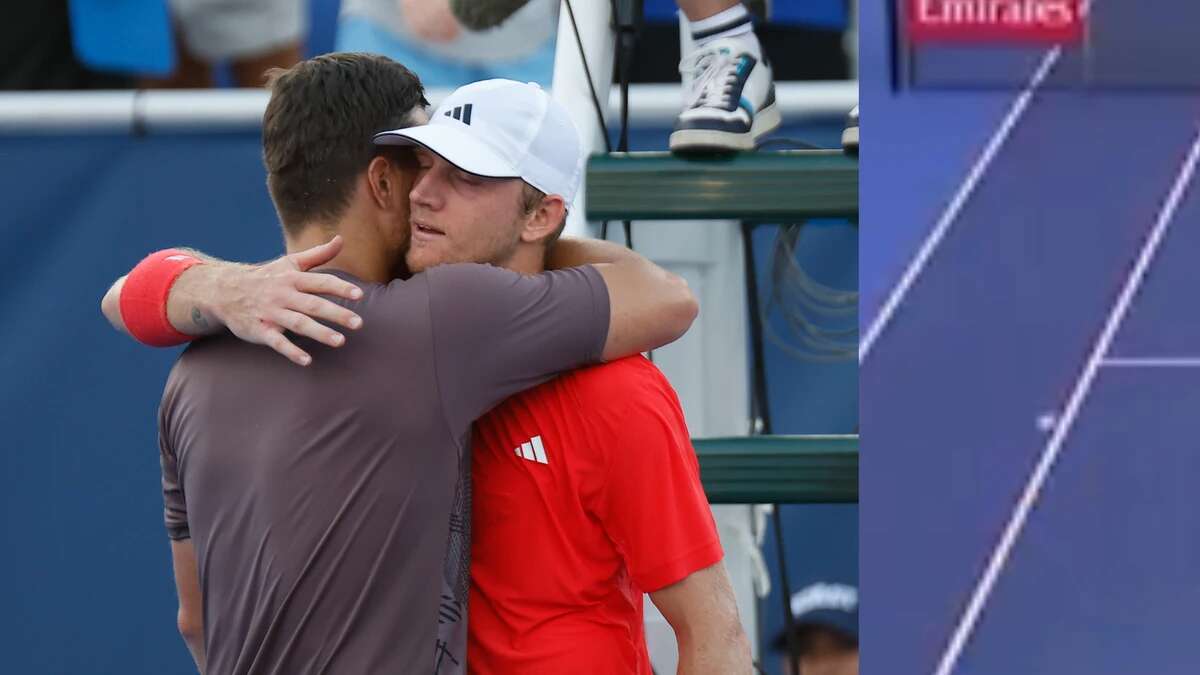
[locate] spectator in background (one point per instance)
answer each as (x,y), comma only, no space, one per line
(826,631)
(426,36)
(251,36)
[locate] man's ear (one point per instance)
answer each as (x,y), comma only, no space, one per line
(383,182)
(545,219)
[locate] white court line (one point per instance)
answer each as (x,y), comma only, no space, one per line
(917,265)
(984,588)
(1151,362)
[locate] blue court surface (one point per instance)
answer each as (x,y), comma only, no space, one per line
(1030,383)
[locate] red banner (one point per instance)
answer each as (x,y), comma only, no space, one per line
(995,21)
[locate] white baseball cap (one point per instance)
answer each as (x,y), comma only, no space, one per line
(503,129)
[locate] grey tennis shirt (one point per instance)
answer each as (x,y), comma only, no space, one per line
(329,506)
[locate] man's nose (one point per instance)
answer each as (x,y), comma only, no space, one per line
(425,191)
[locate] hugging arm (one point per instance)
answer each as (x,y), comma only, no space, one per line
(650,307)
(257,303)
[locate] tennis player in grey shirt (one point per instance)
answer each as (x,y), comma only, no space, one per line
(319,516)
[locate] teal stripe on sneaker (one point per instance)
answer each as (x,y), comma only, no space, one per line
(744,66)
(744,104)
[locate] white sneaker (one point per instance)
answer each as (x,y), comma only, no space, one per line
(729,101)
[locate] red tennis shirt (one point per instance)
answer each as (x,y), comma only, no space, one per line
(587,494)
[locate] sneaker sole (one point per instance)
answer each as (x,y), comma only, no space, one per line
(850,139)
(711,140)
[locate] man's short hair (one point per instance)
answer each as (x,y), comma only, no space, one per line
(318,127)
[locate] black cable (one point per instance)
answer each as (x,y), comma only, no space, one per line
(588,72)
(627,14)
(761,413)
(789,621)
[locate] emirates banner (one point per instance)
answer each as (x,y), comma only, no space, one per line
(996,21)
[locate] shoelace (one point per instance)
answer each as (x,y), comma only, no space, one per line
(713,73)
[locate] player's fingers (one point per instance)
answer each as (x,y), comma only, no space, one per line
(306,326)
(275,339)
(327,284)
(326,310)
(317,255)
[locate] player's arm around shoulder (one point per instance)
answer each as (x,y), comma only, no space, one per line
(497,332)
(649,306)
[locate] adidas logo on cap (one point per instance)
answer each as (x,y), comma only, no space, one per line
(461,113)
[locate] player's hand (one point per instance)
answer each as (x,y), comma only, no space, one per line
(259,303)
(430,20)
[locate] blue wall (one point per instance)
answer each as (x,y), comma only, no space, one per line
(85,570)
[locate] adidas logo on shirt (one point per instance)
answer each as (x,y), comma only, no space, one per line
(461,113)
(533,450)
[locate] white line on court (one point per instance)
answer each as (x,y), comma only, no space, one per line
(1050,453)
(917,265)
(1151,362)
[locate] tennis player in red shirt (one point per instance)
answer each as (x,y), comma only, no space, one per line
(587,495)
(587,489)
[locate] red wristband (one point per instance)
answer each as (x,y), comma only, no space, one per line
(144,297)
